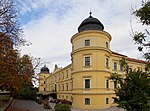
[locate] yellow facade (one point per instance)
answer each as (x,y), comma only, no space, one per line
(85,81)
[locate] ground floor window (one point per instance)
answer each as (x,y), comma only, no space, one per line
(66,97)
(71,98)
(107,100)
(87,101)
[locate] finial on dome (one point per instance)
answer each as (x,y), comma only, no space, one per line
(90,14)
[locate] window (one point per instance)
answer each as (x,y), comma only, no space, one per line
(139,69)
(87,61)
(44,82)
(63,75)
(71,98)
(87,101)
(66,73)
(44,89)
(107,100)
(62,87)
(72,85)
(59,76)
(115,65)
(87,42)
(66,86)
(87,83)
(55,78)
(106,44)
(66,97)
(121,67)
(107,62)
(59,86)
(130,69)
(107,84)
(55,87)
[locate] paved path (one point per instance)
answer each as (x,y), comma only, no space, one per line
(27,105)
(24,105)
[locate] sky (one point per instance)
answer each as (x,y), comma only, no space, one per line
(50,24)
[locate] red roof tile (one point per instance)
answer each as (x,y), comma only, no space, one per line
(136,60)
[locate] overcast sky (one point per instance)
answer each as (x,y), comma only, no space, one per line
(50,24)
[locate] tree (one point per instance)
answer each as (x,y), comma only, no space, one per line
(9,25)
(16,72)
(133,89)
(27,92)
(8,57)
(140,38)
(10,34)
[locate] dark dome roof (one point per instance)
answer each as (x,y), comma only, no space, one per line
(44,69)
(91,23)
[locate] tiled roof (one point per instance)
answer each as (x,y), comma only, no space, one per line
(136,60)
(118,54)
(131,59)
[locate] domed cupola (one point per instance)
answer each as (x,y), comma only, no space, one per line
(90,23)
(44,70)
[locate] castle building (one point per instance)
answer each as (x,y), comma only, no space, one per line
(85,81)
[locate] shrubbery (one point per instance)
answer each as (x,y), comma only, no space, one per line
(66,102)
(27,93)
(39,101)
(62,107)
(46,104)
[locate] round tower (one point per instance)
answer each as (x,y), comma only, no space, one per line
(42,79)
(90,63)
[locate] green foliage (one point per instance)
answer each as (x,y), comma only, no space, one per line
(134,94)
(144,13)
(27,92)
(39,101)
(140,38)
(46,104)
(133,91)
(66,102)
(62,107)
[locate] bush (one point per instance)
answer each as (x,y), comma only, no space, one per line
(46,104)
(66,102)
(62,107)
(39,101)
(27,93)
(5,98)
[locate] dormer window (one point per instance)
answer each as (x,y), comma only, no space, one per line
(87,42)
